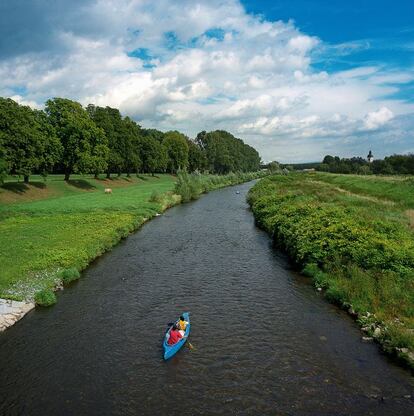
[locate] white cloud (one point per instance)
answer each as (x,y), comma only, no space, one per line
(376,119)
(208,65)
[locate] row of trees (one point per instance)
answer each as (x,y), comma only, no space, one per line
(390,165)
(67,138)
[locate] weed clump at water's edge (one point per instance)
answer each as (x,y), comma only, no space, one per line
(69,275)
(45,297)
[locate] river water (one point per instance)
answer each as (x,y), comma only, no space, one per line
(265,342)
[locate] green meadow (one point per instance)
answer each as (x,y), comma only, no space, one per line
(354,236)
(48,227)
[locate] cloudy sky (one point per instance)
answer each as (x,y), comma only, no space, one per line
(297,79)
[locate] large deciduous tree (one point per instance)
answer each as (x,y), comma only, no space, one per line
(153,155)
(84,144)
(196,157)
(29,142)
(131,149)
(110,121)
(51,148)
(176,146)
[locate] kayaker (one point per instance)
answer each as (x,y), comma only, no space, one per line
(175,335)
(182,325)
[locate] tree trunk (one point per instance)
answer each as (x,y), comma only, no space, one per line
(26,178)
(108,175)
(96,176)
(67,175)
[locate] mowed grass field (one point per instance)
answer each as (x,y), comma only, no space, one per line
(354,235)
(48,226)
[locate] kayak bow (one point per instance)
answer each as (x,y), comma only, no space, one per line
(171,350)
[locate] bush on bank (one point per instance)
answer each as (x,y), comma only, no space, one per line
(362,256)
(45,297)
(69,275)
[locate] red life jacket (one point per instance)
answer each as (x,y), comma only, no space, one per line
(175,336)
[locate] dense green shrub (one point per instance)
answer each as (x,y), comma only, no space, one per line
(45,297)
(69,275)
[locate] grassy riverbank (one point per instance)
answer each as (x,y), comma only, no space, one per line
(354,236)
(49,230)
(67,225)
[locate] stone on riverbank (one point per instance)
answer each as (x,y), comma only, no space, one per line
(367,339)
(377,332)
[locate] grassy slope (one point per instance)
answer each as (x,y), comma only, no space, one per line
(53,226)
(353,235)
(75,223)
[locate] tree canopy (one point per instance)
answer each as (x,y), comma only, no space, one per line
(28,142)
(225,153)
(69,138)
(110,121)
(84,144)
(176,145)
(390,165)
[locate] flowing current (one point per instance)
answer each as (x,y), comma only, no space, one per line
(265,342)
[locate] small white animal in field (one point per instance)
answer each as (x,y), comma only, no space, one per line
(108,190)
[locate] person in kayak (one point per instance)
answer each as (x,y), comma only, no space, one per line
(175,335)
(182,325)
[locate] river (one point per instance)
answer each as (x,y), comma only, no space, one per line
(265,342)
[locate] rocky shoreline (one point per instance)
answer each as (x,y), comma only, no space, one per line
(12,311)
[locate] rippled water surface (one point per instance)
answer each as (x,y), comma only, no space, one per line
(265,342)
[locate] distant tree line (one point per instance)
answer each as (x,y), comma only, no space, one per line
(390,165)
(67,138)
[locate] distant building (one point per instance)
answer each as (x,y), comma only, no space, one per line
(370,157)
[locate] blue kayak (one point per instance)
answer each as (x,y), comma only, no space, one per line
(170,350)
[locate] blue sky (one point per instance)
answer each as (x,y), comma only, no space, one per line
(297,79)
(386,26)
